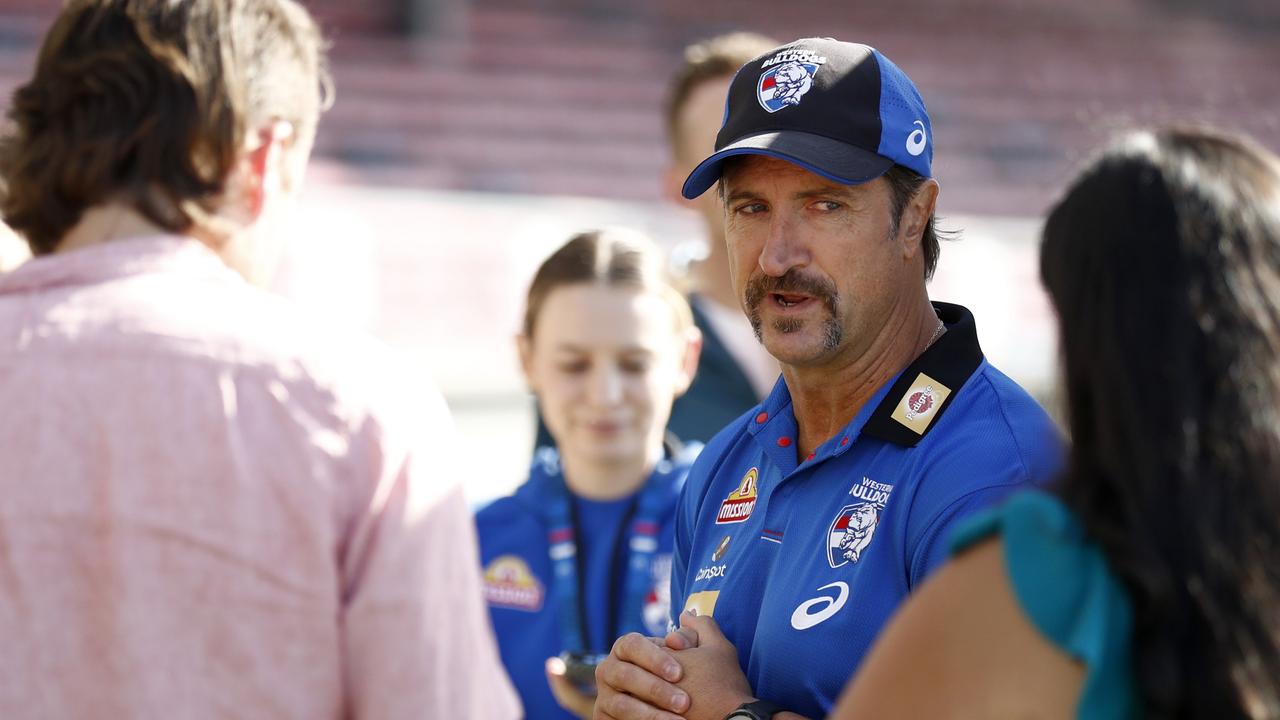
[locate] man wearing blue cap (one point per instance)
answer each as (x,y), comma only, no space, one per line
(809,519)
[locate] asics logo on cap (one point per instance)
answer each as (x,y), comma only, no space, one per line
(917,140)
(803,619)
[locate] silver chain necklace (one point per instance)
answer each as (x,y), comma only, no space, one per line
(936,333)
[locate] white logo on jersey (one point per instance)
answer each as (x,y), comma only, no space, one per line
(803,619)
(710,573)
(917,140)
(657,606)
(851,532)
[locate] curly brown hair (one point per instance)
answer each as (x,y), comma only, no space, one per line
(149,103)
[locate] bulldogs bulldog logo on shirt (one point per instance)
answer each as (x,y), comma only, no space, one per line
(854,527)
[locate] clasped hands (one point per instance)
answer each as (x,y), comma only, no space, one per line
(692,673)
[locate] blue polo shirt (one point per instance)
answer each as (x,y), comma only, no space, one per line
(519,579)
(802,560)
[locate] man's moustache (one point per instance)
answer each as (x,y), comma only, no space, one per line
(791,282)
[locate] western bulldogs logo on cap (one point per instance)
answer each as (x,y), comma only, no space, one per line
(784,86)
(788,77)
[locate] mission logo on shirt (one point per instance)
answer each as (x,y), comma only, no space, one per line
(508,583)
(738,506)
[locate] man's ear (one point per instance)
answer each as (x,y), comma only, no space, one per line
(264,164)
(915,216)
(692,337)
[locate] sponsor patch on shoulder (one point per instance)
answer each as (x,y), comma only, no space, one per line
(919,405)
(508,583)
(741,502)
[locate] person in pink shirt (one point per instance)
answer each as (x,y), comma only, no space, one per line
(211,505)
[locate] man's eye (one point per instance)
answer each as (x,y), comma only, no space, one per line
(572,368)
(751,208)
(827,205)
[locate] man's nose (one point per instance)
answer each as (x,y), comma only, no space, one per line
(783,249)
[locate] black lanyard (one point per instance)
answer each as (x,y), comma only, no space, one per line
(636,539)
(618,546)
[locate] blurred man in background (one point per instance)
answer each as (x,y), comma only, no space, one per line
(214,506)
(735,371)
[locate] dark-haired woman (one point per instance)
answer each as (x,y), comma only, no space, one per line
(581,553)
(1147,584)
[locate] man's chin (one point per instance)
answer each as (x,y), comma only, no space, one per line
(797,348)
(797,340)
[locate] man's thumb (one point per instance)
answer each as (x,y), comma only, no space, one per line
(705,627)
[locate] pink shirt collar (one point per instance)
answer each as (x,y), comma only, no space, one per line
(116,259)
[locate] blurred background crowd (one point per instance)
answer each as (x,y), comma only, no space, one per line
(469,138)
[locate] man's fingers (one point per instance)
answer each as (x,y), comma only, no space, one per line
(703,627)
(618,676)
(647,654)
(617,706)
(682,638)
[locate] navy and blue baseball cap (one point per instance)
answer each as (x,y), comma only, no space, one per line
(837,109)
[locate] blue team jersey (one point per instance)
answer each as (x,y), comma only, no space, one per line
(802,560)
(516,544)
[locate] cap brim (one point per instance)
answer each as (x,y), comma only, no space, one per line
(832,159)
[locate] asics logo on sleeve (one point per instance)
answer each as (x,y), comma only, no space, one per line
(826,606)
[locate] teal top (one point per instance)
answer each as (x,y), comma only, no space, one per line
(1065,586)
